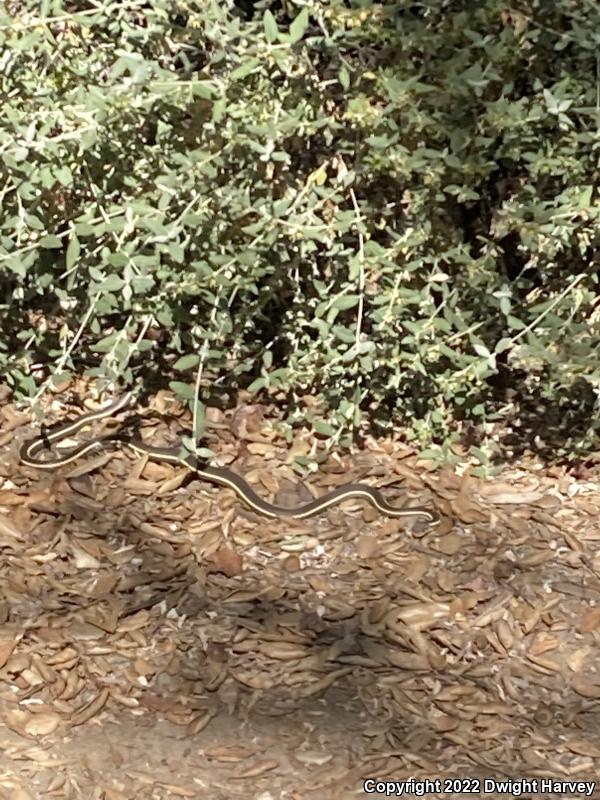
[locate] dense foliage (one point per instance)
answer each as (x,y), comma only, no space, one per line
(380,212)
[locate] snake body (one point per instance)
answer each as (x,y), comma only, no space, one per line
(31,449)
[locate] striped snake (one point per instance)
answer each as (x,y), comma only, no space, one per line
(222,476)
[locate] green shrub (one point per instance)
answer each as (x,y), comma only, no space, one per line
(381,212)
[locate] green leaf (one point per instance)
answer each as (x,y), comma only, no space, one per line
(15,264)
(514,323)
(73,250)
(344,77)
(184,390)
(257,385)
(431,454)
(112,283)
(199,420)
(345,301)
(584,197)
(204,89)
(50,242)
(321,326)
(270,25)
(299,26)
(479,454)
(187,362)
(481,350)
(64,175)
(244,69)
(503,344)
(322,427)
(343,334)
(106,344)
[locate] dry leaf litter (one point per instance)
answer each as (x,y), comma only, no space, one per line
(158,640)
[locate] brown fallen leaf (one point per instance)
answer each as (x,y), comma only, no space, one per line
(450,544)
(199,722)
(90,709)
(282,651)
(583,747)
(178,790)
(227,561)
(228,753)
(17,720)
(590,621)
(7,645)
(585,688)
(260,768)
(9,529)
(42,724)
(8,497)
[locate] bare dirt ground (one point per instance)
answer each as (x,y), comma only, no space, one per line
(159,641)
